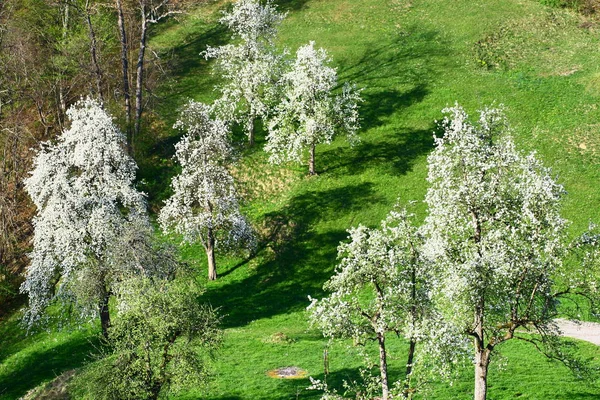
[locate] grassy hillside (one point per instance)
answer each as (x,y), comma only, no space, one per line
(412,58)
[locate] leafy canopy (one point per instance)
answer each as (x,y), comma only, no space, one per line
(162,341)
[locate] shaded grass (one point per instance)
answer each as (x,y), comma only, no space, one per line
(27,361)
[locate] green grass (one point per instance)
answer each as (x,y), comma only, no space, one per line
(412,58)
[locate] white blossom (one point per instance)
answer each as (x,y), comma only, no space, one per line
(251,67)
(204,203)
(494,233)
(309,113)
(91,226)
(380,286)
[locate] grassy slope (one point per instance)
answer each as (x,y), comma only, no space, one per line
(413,58)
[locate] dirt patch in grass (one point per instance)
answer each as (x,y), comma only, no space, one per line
(259,180)
(287,373)
(585,140)
(279,338)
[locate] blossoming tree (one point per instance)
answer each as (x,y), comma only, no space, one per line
(386,264)
(495,236)
(204,204)
(251,67)
(309,112)
(91,228)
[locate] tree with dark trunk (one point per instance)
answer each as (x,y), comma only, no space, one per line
(125,73)
(94,51)
(143,14)
(91,227)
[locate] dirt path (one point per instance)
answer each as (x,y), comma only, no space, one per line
(588,331)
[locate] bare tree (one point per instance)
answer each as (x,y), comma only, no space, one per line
(144,13)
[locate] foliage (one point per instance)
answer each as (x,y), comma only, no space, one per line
(413,58)
(91,228)
(250,68)
(378,285)
(309,112)
(585,7)
(162,340)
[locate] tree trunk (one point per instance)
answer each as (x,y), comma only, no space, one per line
(311,164)
(140,71)
(385,393)
(61,89)
(413,314)
(250,126)
(210,254)
(482,361)
(125,71)
(482,354)
(94,51)
(409,366)
(104,314)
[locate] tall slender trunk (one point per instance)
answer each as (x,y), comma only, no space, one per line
(210,255)
(140,71)
(409,367)
(61,89)
(125,72)
(311,164)
(413,315)
(250,127)
(482,354)
(94,51)
(104,314)
(385,392)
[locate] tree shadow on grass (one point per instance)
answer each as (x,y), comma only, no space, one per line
(291,5)
(392,154)
(335,380)
(297,259)
(190,69)
(39,366)
(378,106)
(412,57)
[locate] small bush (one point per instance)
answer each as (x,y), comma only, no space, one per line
(161,342)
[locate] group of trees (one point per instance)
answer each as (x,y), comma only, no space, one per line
(294,99)
(91,226)
(93,240)
(51,54)
(487,265)
(483,264)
